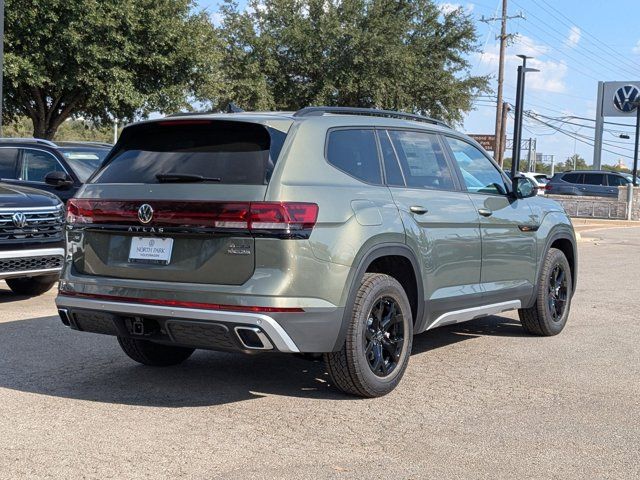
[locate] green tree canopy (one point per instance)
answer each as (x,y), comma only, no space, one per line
(101,59)
(396,54)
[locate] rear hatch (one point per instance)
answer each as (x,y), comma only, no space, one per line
(171,202)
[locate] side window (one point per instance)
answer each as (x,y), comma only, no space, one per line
(479,174)
(572,178)
(36,165)
(391,167)
(422,160)
(8,163)
(355,152)
(593,179)
(616,181)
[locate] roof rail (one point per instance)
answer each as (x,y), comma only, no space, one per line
(29,140)
(374,112)
(89,143)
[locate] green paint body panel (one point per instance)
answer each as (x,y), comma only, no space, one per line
(463,259)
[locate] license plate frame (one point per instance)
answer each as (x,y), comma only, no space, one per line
(151,250)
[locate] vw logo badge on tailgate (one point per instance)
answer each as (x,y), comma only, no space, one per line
(145,213)
(19,220)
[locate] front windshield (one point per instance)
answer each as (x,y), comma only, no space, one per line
(84,161)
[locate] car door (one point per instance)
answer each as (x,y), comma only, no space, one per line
(595,184)
(440,221)
(35,164)
(507,225)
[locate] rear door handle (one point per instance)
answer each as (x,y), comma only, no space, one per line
(485,212)
(418,209)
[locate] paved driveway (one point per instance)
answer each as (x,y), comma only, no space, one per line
(479,400)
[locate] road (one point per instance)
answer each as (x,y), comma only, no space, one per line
(479,400)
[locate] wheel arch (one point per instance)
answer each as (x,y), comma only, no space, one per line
(564,240)
(374,260)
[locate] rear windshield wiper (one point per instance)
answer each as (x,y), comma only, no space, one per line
(184,177)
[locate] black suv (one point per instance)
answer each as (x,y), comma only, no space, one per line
(59,168)
(594,183)
(31,242)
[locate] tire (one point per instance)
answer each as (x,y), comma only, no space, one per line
(549,314)
(32,286)
(154,354)
(371,337)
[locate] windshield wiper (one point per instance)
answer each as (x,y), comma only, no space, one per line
(184,178)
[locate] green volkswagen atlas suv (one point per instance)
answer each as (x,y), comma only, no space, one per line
(334,231)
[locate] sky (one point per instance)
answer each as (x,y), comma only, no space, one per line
(575,44)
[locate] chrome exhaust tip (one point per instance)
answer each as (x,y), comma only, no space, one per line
(64,316)
(253,338)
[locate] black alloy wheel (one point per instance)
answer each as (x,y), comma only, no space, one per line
(557,292)
(384,336)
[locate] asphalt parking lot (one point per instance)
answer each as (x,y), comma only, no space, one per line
(479,400)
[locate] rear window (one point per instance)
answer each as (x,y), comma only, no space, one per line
(354,151)
(593,179)
(225,151)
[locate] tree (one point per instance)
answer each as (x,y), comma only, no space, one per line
(395,54)
(101,59)
(574,162)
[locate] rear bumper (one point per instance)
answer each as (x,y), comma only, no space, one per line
(31,263)
(215,330)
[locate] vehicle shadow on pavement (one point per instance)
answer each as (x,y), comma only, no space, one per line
(43,357)
(7,296)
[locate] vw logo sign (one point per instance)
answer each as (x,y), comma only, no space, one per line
(625,97)
(145,213)
(19,220)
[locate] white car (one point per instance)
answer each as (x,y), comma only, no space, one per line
(540,181)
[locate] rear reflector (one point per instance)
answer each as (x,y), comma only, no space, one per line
(182,304)
(295,219)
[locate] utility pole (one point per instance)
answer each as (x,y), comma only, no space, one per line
(503,134)
(504,38)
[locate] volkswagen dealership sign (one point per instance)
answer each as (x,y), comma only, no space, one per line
(618,99)
(615,99)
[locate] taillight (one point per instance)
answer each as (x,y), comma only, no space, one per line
(282,219)
(283,216)
(79,211)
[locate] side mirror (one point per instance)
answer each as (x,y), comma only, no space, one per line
(58,179)
(524,187)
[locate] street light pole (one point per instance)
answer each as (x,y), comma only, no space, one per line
(635,151)
(517,126)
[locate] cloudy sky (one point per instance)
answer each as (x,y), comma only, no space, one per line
(575,43)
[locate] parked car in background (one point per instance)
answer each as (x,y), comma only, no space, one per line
(595,183)
(59,168)
(334,231)
(31,239)
(539,180)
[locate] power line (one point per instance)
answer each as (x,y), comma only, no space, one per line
(579,138)
(544,26)
(571,23)
(504,38)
